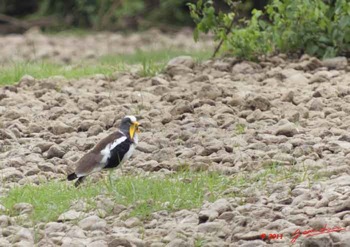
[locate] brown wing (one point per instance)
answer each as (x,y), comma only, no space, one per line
(105,141)
(93,158)
(87,163)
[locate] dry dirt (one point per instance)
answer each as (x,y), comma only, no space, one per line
(68,48)
(294,113)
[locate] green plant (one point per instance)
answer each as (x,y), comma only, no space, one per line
(148,194)
(240,129)
(183,190)
(199,242)
(203,14)
(310,26)
(314,27)
(150,68)
(152,62)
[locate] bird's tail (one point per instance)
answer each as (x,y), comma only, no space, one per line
(79,181)
(72,176)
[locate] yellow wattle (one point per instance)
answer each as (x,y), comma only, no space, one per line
(132,130)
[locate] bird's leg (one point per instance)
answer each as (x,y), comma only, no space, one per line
(111,187)
(110,179)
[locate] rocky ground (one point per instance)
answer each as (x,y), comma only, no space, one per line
(224,115)
(35,46)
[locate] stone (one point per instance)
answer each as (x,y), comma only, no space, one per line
(207,215)
(181,107)
(316,104)
(310,64)
(46,167)
(317,241)
(44,146)
(92,223)
(16,162)
(252,235)
(10,174)
(94,130)
(186,61)
(70,215)
(222,65)
(257,102)
(296,79)
(59,128)
(7,134)
(86,104)
(254,243)
(288,96)
(5,221)
(146,148)
(284,158)
(209,92)
(132,222)
(343,207)
(120,242)
(53,227)
(344,239)
(335,63)
(118,208)
(338,146)
(157,81)
(75,232)
(35,128)
(23,235)
(317,223)
(243,67)
(211,227)
(287,129)
(4,242)
(178,242)
(98,243)
(27,80)
(227,216)
(23,208)
(55,151)
(151,166)
(299,220)
(220,206)
(69,242)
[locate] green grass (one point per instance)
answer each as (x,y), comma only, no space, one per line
(240,129)
(12,73)
(183,190)
(152,63)
(147,194)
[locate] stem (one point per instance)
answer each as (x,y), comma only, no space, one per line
(228,29)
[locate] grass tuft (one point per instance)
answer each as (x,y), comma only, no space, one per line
(148,194)
(240,129)
(152,62)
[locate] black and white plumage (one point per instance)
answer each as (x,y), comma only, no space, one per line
(110,152)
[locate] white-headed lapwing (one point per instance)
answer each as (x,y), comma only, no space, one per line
(110,152)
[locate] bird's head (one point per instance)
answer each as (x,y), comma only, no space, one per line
(129,126)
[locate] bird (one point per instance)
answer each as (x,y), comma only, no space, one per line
(110,152)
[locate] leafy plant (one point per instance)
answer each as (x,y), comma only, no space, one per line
(314,27)
(203,14)
(240,129)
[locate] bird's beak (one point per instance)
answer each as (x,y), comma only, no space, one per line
(134,128)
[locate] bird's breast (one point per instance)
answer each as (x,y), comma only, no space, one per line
(118,151)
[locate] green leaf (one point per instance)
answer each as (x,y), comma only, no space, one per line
(196,34)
